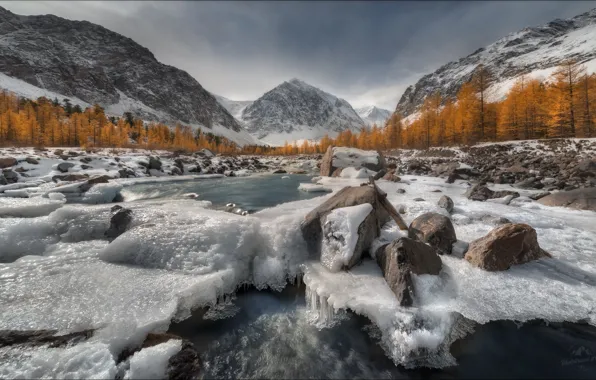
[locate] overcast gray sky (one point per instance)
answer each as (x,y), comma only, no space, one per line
(367,52)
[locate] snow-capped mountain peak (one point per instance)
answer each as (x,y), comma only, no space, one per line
(296,110)
(373,115)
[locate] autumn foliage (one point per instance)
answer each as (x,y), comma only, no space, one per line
(563,106)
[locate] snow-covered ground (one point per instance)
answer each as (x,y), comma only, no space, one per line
(60,273)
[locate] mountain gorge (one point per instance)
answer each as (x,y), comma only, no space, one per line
(89,64)
(533,51)
(295,110)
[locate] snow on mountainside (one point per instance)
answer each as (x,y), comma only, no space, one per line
(373,115)
(295,110)
(535,51)
(234,107)
(51,56)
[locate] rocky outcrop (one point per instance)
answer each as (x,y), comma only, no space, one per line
(505,246)
(580,199)
(399,259)
(434,229)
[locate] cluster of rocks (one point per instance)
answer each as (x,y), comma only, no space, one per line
(428,236)
(556,164)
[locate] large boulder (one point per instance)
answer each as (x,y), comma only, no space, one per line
(480,192)
(311,226)
(6,162)
(434,229)
(587,168)
(507,245)
(343,157)
(347,234)
(580,199)
(399,259)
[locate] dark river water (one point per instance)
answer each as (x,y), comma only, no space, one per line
(270,335)
(248,193)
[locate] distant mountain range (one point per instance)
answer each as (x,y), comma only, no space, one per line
(86,63)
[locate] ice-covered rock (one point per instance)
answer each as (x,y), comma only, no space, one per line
(349,196)
(347,233)
(343,157)
(446,202)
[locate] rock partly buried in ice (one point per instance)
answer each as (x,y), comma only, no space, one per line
(399,259)
(35,338)
(69,177)
(446,203)
(507,245)
(580,199)
(64,166)
(176,358)
(343,157)
(347,233)
(313,188)
(85,186)
(480,192)
(119,222)
(434,229)
(311,227)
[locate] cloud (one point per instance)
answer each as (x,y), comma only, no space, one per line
(365,52)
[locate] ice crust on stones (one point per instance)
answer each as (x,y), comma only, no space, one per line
(152,362)
(340,235)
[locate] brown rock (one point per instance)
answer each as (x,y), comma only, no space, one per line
(434,229)
(507,245)
(93,181)
(6,162)
(580,199)
(69,177)
(336,172)
(399,259)
(391,176)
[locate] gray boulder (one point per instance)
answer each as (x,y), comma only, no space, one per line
(446,203)
(64,166)
(434,229)
(154,163)
(480,192)
(507,245)
(399,259)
